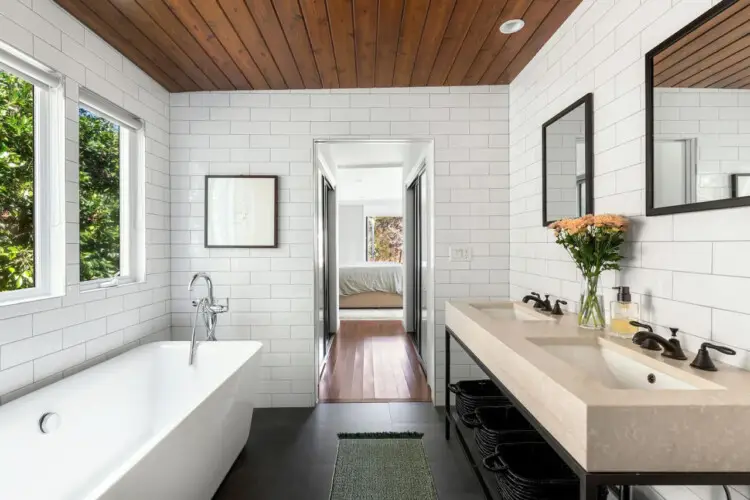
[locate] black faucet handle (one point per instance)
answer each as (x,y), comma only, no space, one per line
(720,348)
(638,324)
(557,311)
(536,294)
(703,360)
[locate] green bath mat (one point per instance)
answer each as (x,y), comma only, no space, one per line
(382,466)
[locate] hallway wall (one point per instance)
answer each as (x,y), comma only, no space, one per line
(271,291)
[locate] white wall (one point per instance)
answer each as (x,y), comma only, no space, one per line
(351,235)
(271,291)
(42,341)
(687,270)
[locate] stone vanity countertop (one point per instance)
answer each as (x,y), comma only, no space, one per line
(612,429)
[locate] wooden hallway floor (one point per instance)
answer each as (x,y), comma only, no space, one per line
(373,361)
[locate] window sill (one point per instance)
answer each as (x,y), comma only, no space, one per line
(28,298)
(94,286)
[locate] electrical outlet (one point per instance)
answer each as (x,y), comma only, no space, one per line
(460,254)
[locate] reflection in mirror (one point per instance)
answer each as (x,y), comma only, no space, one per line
(698,145)
(566,162)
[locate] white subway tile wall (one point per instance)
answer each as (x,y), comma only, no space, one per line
(684,269)
(270,291)
(42,341)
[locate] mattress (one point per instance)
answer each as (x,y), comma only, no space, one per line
(387,278)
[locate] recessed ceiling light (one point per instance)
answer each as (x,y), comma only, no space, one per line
(512,26)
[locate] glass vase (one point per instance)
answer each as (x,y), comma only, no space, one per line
(591,311)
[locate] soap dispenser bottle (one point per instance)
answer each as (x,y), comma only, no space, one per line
(621,312)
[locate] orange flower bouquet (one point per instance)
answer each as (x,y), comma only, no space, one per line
(593,242)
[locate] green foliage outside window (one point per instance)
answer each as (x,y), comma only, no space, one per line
(16,183)
(385,239)
(99,177)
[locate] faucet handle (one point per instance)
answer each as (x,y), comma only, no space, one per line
(638,324)
(219,308)
(703,360)
(557,311)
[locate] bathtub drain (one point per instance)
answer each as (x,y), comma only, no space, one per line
(49,422)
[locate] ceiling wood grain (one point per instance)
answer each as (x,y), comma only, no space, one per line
(715,55)
(189,45)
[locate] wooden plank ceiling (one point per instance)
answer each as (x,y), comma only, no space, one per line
(716,55)
(189,45)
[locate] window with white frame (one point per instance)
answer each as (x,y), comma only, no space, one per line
(110,201)
(32,179)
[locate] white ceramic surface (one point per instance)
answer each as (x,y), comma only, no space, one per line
(141,425)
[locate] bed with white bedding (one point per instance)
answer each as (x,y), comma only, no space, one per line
(371,286)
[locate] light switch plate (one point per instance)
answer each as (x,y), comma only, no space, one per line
(460,254)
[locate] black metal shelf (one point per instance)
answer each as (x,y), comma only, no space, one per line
(466,438)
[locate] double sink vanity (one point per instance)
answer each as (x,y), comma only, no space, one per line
(617,414)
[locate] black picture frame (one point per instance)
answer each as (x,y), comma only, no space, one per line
(651,210)
(275,210)
(588,109)
(735,182)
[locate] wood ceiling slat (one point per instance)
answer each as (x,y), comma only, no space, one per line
(438,17)
(270,28)
(102,29)
(222,28)
(514,9)
(295,31)
(365,40)
(692,37)
(237,13)
(159,37)
(458,28)
(730,30)
(390,14)
(485,22)
(318,29)
(118,22)
(415,15)
(182,37)
(559,14)
(186,13)
(725,45)
(710,78)
(534,16)
(703,65)
(737,79)
(342,36)
(245,44)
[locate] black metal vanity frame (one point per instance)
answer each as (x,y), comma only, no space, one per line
(590,481)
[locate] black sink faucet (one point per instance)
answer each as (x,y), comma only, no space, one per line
(651,341)
(544,305)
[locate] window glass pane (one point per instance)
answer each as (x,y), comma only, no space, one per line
(99,176)
(385,239)
(16,183)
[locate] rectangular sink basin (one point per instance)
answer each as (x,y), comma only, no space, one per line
(614,369)
(509,310)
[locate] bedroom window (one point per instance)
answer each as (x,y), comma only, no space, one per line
(385,239)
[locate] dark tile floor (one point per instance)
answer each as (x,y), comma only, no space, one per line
(291,452)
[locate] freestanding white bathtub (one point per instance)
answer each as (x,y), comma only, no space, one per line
(143,425)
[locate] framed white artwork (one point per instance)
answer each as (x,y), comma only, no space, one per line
(241,211)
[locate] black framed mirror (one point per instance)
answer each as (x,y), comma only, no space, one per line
(568,162)
(697,114)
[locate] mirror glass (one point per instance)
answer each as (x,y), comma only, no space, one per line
(698,153)
(566,163)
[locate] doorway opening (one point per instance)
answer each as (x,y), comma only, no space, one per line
(372,212)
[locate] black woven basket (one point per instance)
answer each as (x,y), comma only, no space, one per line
(501,424)
(472,394)
(531,471)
